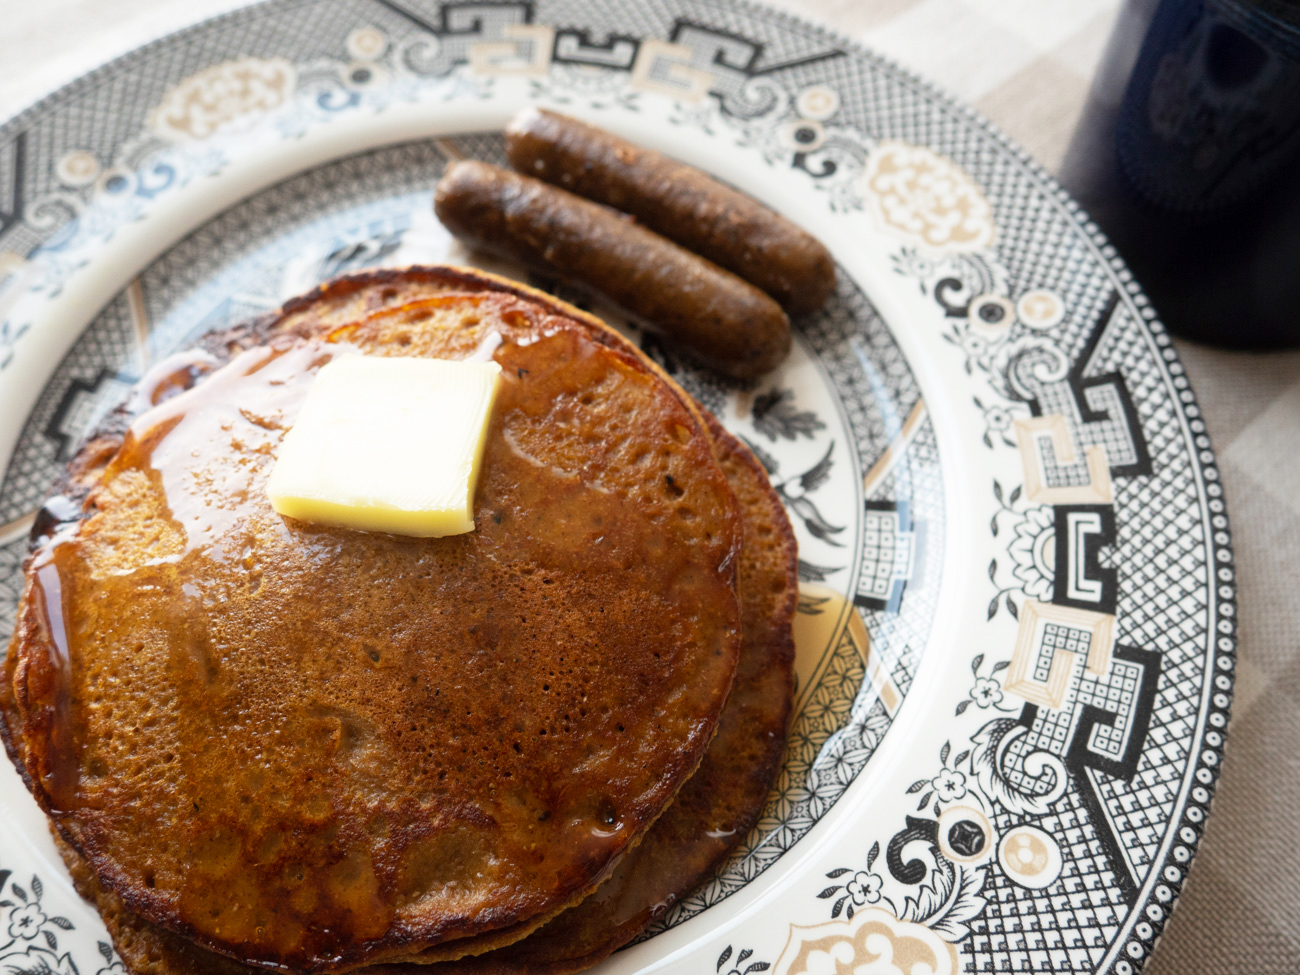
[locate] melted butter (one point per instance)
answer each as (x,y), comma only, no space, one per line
(227,415)
(170,376)
(53,516)
(485,350)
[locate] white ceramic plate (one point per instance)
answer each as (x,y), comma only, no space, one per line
(1016,631)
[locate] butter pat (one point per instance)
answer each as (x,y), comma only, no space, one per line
(388,445)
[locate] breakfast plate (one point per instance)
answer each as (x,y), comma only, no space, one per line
(1016,630)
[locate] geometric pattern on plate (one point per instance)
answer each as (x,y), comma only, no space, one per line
(1114,763)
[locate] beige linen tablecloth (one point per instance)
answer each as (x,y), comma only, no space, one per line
(1027,65)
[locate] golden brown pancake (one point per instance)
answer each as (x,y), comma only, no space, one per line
(719,803)
(313,748)
(711,814)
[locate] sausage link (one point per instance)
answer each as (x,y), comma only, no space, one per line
(731,325)
(729,228)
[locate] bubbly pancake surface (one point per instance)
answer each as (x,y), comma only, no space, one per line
(312,748)
(710,815)
(721,802)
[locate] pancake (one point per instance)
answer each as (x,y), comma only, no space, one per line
(721,802)
(711,814)
(470,737)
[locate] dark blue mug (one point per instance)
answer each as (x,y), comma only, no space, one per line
(1188,156)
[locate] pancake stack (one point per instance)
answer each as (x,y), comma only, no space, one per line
(269,744)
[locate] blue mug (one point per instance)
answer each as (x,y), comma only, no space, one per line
(1188,156)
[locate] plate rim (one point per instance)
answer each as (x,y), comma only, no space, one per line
(1102,251)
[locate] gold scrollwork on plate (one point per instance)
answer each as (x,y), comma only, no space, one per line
(366,43)
(1030,857)
(1040,309)
(77,168)
(926,198)
(874,941)
(1054,473)
(525,52)
(826,621)
(205,102)
(1050,639)
(665,69)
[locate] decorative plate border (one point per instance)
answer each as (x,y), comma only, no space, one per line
(1051,462)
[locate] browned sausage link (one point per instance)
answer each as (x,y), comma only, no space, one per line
(680,202)
(730,324)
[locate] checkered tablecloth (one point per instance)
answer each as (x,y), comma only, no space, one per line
(1027,65)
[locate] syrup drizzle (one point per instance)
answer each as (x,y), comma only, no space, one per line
(205,453)
(178,423)
(169,377)
(211,420)
(62,775)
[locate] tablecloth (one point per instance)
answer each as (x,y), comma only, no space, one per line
(1027,65)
